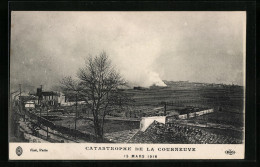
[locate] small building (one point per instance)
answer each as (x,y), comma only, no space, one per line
(29,104)
(147,121)
(28,101)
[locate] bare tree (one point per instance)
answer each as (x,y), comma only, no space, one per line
(99,84)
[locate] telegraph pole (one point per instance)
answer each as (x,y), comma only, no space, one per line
(76,113)
(20,98)
(40,101)
(165,108)
(11,99)
(41,111)
(20,105)
(47,125)
(40,96)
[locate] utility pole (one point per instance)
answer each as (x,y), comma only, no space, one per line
(20,98)
(11,99)
(20,105)
(47,125)
(41,93)
(165,108)
(40,101)
(76,113)
(41,111)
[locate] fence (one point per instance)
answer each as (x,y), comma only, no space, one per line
(194,114)
(64,130)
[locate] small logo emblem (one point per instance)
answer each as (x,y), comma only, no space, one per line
(19,150)
(230,152)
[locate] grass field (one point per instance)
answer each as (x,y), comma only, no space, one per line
(111,126)
(230,99)
(227,101)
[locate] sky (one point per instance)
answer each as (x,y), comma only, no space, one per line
(145,47)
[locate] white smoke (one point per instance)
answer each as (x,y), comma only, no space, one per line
(136,54)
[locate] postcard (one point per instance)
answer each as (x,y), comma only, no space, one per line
(127,85)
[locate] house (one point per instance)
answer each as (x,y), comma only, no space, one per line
(52,97)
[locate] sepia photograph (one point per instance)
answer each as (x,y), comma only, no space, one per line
(128,78)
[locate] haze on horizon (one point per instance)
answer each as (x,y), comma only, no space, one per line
(146,47)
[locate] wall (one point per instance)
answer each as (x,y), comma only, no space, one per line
(195,114)
(147,121)
(71,103)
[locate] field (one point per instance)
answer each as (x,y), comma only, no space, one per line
(228,98)
(227,102)
(111,126)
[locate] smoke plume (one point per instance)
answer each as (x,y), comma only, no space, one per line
(135,54)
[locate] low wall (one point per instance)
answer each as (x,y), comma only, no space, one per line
(195,114)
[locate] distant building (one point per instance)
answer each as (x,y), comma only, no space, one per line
(157,87)
(54,98)
(30,104)
(139,88)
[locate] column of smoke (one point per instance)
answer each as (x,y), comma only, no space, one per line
(136,53)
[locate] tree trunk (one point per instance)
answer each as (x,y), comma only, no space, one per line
(98,129)
(102,124)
